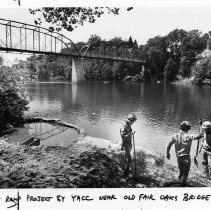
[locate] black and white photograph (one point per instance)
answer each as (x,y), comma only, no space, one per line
(105,97)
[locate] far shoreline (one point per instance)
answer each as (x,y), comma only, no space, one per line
(180,82)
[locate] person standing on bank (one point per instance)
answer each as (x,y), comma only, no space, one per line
(206,147)
(126,135)
(183,141)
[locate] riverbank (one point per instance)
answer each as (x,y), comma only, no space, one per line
(88,163)
(133,79)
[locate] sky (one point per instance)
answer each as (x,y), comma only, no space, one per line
(143,22)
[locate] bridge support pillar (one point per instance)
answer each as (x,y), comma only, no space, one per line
(77,70)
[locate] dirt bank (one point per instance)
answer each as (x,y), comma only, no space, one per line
(84,164)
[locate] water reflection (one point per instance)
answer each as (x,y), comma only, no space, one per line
(101,108)
(74,93)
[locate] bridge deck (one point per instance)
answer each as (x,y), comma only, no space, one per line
(25,38)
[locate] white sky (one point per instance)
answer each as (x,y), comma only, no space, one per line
(143,22)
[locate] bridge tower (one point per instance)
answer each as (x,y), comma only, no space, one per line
(77,70)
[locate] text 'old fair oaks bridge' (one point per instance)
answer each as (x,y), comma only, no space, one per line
(26,38)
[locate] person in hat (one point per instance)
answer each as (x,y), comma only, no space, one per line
(206,147)
(126,135)
(183,141)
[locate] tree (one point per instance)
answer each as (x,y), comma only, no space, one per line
(93,42)
(185,64)
(130,42)
(31,65)
(116,40)
(180,46)
(70,17)
(175,41)
(194,41)
(43,72)
(192,44)
(157,55)
(116,71)
(106,71)
(135,44)
(12,100)
(170,71)
(199,70)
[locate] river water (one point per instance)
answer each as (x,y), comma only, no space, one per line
(101,108)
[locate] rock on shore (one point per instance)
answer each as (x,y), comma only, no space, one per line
(88,163)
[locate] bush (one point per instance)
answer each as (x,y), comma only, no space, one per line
(170,71)
(199,71)
(12,101)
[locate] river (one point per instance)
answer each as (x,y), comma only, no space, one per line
(101,108)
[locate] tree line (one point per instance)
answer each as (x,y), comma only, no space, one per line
(45,67)
(174,56)
(167,59)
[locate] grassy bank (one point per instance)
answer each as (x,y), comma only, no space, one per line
(84,164)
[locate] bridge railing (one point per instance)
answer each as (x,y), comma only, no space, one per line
(22,37)
(26,37)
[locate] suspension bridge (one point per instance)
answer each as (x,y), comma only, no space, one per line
(26,38)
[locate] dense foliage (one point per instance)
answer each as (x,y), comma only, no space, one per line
(54,67)
(201,69)
(166,58)
(70,17)
(175,53)
(12,100)
(48,67)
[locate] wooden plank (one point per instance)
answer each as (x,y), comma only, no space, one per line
(29,141)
